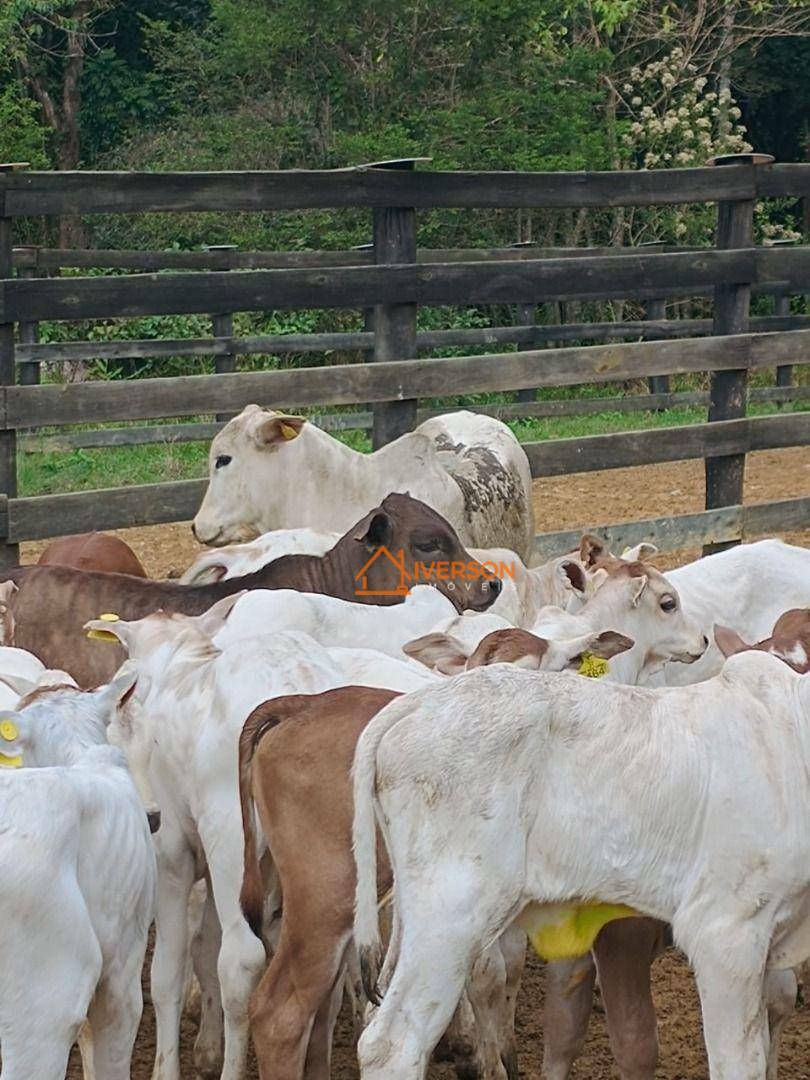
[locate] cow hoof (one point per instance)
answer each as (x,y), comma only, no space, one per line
(208,1062)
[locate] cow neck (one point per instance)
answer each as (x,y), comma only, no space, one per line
(330,574)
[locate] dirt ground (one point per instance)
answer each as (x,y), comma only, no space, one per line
(560,503)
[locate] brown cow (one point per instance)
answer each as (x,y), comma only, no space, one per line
(370,564)
(295,759)
(93,551)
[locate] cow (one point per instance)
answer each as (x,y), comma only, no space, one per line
(295,755)
(268,470)
(21,672)
(93,551)
(236,560)
(180,731)
(78,886)
(374,563)
(510,796)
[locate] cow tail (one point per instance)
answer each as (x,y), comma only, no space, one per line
(364,841)
(251,896)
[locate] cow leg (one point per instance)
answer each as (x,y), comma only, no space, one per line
(298,985)
(486,991)
(624,952)
(729,966)
(319,1053)
(114,1016)
(781,988)
(242,956)
(513,949)
(205,948)
(174,881)
(569,1000)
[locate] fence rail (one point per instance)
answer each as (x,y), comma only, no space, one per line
(393,277)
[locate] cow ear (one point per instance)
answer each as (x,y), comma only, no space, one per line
(208,574)
(639,553)
(728,641)
(637,587)
(212,621)
(610,643)
(591,548)
(573,577)
(110,628)
(441,652)
(117,692)
(375,529)
(278,429)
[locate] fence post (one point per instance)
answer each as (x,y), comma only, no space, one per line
(9,553)
(781,307)
(394,324)
(526,316)
(727,391)
(222,327)
(656,310)
(28,374)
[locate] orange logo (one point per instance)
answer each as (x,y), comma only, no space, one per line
(461,574)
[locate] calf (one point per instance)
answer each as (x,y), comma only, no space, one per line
(577,790)
(295,756)
(21,672)
(180,731)
(93,551)
(373,563)
(78,887)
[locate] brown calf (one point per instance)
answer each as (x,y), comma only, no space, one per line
(93,551)
(366,565)
(295,759)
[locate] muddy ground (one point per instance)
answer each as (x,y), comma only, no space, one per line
(561,503)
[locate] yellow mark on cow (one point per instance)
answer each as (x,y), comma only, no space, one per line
(565,931)
(8,730)
(593,667)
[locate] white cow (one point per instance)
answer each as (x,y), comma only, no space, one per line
(509,796)
(236,560)
(272,471)
(181,734)
(335,622)
(78,884)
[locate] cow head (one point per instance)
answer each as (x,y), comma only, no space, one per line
(240,489)
(790,640)
(450,656)
(402,543)
(634,599)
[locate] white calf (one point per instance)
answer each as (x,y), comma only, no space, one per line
(191,702)
(510,795)
(78,884)
(336,622)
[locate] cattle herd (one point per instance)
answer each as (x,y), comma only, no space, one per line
(364,748)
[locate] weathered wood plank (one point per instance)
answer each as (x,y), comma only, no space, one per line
(190,395)
(112,508)
(592,453)
(359,286)
(282,344)
(112,193)
(687,531)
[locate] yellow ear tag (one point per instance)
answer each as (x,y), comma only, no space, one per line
(562,932)
(8,730)
(104,635)
(593,667)
(8,762)
(288,432)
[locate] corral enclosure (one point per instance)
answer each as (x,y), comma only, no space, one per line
(388,281)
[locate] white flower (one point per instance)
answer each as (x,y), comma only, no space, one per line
(646,113)
(636,100)
(734,113)
(683,112)
(667,80)
(703,122)
(680,228)
(724,95)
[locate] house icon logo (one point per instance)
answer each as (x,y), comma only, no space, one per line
(397,564)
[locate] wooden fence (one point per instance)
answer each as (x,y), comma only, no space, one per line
(394,283)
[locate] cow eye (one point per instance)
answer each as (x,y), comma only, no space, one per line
(425,546)
(669,603)
(222,461)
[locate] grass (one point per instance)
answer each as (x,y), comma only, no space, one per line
(83,470)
